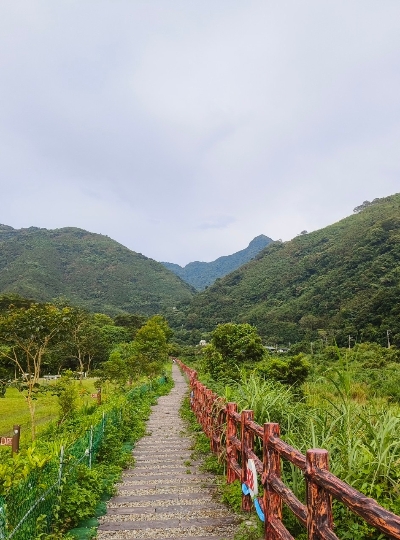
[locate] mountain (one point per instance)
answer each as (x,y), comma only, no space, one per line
(340,281)
(91,270)
(202,274)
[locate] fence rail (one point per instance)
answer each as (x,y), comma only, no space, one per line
(321,485)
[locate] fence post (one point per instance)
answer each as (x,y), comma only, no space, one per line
(90,446)
(247,443)
(217,431)
(201,405)
(231,451)
(103,421)
(209,400)
(60,468)
(319,501)
(271,467)
(15,439)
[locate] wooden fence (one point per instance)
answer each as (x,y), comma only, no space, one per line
(321,485)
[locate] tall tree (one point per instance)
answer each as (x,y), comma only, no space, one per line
(25,335)
(151,346)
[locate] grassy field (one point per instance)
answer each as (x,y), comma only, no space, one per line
(14,409)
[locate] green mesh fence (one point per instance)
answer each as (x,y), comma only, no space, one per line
(30,507)
(2,518)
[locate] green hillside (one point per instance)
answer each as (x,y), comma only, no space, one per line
(202,274)
(90,270)
(340,281)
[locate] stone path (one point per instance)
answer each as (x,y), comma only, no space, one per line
(165,496)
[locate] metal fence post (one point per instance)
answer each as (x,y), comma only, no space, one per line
(90,447)
(60,468)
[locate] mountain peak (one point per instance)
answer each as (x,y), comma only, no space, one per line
(202,274)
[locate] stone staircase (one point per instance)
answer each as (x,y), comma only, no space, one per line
(165,496)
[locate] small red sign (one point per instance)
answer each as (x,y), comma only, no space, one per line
(6,441)
(94,396)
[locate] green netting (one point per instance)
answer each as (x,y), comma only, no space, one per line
(30,507)
(2,518)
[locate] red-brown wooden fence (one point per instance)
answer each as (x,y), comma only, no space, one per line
(321,485)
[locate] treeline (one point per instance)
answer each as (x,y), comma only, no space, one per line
(37,339)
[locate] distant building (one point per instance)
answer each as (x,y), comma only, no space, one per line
(202,342)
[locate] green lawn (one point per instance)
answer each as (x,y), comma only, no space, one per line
(14,410)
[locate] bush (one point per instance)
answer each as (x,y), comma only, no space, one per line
(292,370)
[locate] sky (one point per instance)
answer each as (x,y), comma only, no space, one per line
(183,129)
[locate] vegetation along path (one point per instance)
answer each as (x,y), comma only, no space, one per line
(165,495)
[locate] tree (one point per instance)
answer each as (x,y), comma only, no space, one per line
(115,370)
(131,322)
(86,339)
(238,343)
(26,334)
(145,355)
(151,347)
(232,345)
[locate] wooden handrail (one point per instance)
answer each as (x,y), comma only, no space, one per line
(322,485)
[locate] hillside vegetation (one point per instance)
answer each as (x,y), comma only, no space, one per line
(337,282)
(202,274)
(91,270)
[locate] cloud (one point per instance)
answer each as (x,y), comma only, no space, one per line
(183,130)
(218,222)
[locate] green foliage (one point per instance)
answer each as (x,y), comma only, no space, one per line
(203,274)
(25,478)
(79,498)
(131,322)
(249,530)
(291,370)
(348,404)
(67,393)
(232,345)
(238,342)
(151,346)
(91,270)
(25,336)
(217,365)
(115,369)
(232,495)
(339,281)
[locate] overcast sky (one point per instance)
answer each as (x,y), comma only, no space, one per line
(184,128)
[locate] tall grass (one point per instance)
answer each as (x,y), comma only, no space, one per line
(362,437)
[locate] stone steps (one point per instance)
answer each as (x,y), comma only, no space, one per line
(165,496)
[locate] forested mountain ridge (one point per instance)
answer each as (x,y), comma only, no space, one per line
(340,281)
(90,270)
(202,274)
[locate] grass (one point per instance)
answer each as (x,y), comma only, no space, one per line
(14,410)
(336,411)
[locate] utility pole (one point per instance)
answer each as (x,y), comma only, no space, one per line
(350,338)
(388,332)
